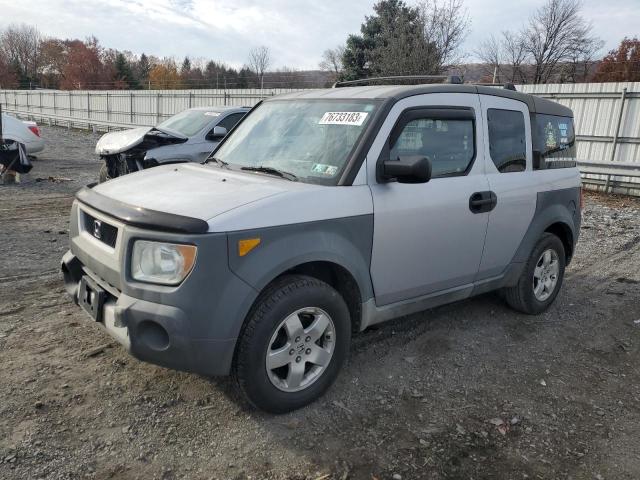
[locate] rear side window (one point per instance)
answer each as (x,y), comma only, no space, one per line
(507,140)
(554,142)
(448,143)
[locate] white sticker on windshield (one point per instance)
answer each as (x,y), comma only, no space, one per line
(329,170)
(212,114)
(343,118)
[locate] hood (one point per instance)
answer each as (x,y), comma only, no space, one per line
(192,190)
(117,142)
(120,141)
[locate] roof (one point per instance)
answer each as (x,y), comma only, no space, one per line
(398,92)
(220,109)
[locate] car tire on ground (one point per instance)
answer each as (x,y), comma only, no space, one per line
(103,176)
(293,344)
(541,277)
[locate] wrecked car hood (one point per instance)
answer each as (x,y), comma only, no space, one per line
(121,141)
(191,190)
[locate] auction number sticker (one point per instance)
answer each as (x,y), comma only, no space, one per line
(343,118)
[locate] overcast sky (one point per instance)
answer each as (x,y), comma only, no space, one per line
(296,31)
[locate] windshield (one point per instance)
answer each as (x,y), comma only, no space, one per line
(189,122)
(311,139)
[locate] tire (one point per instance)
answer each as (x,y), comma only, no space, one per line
(533,296)
(103,176)
(270,329)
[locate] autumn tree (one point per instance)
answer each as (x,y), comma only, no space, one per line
(53,53)
(622,64)
(83,68)
(8,77)
(20,46)
(165,76)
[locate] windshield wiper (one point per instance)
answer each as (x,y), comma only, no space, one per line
(222,163)
(272,171)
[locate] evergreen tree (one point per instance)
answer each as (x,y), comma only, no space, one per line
(123,73)
(143,69)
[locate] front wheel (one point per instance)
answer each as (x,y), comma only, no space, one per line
(103,176)
(541,277)
(293,344)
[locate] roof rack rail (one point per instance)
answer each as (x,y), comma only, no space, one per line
(454,79)
(506,85)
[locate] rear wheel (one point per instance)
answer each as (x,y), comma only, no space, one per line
(293,345)
(541,277)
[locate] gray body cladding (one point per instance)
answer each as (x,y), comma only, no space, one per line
(405,247)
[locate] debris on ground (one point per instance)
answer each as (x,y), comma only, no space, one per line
(450,393)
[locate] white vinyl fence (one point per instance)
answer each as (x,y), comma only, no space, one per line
(109,109)
(607,117)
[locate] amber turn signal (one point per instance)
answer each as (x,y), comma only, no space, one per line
(246,245)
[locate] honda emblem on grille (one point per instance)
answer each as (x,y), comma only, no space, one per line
(97,229)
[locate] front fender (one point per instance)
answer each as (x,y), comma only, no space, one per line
(343,241)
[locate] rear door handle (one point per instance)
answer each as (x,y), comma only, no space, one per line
(481,202)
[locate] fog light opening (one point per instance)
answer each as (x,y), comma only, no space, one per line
(153,335)
(71,283)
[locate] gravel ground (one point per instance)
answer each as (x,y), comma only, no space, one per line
(466,391)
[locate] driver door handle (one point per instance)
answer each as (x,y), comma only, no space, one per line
(481,202)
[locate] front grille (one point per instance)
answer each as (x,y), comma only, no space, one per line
(100,230)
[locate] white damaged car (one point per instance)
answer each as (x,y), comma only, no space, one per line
(189,136)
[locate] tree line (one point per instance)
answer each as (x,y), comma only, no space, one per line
(554,45)
(29,60)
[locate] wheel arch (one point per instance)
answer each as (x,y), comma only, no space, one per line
(563,231)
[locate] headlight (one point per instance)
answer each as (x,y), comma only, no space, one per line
(163,263)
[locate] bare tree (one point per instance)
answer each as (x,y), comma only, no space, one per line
(20,45)
(332,60)
(490,52)
(259,61)
(582,61)
(515,55)
(555,33)
(446,25)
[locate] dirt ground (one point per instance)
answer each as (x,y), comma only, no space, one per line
(467,391)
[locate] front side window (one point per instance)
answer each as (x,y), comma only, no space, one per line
(312,139)
(554,142)
(447,143)
(230,120)
(507,140)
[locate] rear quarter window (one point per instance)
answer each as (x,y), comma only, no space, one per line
(554,142)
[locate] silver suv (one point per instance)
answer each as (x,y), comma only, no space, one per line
(325,212)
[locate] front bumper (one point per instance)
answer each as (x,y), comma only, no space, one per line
(149,331)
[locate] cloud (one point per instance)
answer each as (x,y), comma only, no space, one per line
(296,31)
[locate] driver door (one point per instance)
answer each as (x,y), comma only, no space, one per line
(428,238)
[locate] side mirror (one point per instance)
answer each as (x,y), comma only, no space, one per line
(414,169)
(217,133)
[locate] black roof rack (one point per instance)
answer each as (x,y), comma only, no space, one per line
(454,79)
(506,86)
